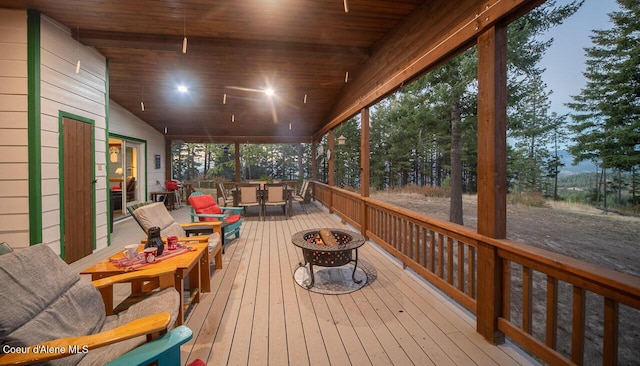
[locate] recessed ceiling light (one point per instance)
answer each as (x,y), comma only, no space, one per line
(269,92)
(182,89)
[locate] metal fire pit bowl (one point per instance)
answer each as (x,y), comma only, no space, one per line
(329,255)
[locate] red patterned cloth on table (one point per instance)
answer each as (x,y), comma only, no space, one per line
(132,265)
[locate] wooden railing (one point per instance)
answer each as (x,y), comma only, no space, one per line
(522,288)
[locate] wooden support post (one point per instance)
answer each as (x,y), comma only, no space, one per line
(167,160)
(314,161)
(492,179)
(331,176)
(364,168)
(238,172)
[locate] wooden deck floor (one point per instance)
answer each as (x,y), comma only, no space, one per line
(257,315)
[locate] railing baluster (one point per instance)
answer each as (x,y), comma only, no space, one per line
(425,234)
(577,332)
(450,260)
(461,264)
(610,336)
(415,240)
(506,289)
(471,263)
(527,299)
(403,235)
(440,255)
(432,249)
(551,338)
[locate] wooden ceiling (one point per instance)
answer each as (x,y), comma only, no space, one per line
(302,49)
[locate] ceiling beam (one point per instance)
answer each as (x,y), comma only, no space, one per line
(126,40)
(240,139)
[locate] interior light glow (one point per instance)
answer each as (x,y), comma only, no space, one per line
(224,98)
(269,92)
(182,89)
(184,45)
(142,106)
(78,67)
(305,99)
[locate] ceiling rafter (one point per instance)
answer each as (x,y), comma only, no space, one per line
(143,41)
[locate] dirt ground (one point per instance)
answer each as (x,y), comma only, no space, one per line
(606,239)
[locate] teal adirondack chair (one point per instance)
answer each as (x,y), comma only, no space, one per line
(204,208)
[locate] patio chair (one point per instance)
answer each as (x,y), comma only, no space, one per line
(276,195)
(223,197)
(46,305)
(131,189)
(204,209)
(303,197)
(152,214)
(250,197)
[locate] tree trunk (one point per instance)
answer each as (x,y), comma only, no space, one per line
(619,186)
(598,181)
(455,208)
(532,162)
(556,165)
(633,185)
(604,185)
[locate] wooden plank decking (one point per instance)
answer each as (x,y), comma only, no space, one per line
(257,315)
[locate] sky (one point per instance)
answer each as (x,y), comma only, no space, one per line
(564,60)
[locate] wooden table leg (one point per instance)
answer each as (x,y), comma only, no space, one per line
(205,272)
(194,281)
(179,284)
(107,298)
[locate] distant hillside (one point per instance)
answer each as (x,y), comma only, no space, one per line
(577,181)
(570,169)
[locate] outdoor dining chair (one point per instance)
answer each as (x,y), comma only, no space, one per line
(250,197)
(276,195)
(224,199)
(303,197)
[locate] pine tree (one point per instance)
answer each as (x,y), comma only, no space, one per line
(607,110)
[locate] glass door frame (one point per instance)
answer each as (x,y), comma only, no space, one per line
(130,165)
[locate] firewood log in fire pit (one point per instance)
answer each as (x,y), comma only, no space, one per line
(327,237)
(323,237)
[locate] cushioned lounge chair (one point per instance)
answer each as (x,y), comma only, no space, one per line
(205,209)
(46,304)
(155,214)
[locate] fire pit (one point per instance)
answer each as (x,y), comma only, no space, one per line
(339,249)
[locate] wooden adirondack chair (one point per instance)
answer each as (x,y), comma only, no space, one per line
(46,304)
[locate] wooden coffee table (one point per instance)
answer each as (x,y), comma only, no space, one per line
(194,264)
